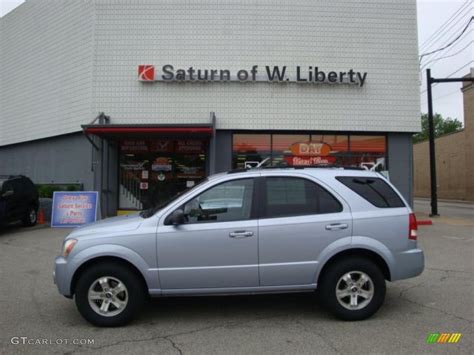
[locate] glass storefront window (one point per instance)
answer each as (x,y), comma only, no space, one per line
(281,147)
(250,149)
(339,144)
(310,149)
(368,152)
(153,170)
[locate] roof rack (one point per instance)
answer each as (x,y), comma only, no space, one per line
(320,166)
(326,166)
(239,170)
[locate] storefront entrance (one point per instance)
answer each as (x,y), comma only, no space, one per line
(154,170)
(138,166)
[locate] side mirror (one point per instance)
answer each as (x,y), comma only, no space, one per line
(7,193)
(176,218)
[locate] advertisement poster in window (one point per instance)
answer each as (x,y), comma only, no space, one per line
(161,164)
(309,153)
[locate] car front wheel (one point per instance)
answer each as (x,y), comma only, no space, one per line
(109,294)
(352,289)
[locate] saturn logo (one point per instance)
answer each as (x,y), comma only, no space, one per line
(146,72)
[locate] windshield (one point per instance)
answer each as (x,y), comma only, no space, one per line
(151,211)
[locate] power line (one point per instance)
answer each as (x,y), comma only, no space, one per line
(467,36)
(451,27)
(440,54)
(450,37)
(454,72)
(430,40)
(447,56)
(458,90)
(458,70)
(453,39)
(450,43)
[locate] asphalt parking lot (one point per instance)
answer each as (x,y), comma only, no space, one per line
(440,300)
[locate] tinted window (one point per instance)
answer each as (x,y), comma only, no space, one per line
(229,201)
(374,190)
(286,197)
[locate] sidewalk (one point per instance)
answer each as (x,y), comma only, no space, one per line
(450,212)
(446,201)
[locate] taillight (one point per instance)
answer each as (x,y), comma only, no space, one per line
(413,226)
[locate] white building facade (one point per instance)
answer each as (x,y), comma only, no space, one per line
(189,88)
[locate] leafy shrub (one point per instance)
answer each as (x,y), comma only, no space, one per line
(47,190)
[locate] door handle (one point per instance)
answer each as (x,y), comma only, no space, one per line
(336,226)
(240,234)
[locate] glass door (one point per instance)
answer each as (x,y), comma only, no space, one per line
(153,171)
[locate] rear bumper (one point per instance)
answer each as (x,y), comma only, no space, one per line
(407,264)
(61,276)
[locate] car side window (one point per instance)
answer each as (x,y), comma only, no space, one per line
(229,201)
(288,196)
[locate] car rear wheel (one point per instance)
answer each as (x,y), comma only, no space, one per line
(31,217)
(352,289)
(109,294)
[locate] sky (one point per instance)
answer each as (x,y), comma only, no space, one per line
(432,15)
(448,16)
(8,5)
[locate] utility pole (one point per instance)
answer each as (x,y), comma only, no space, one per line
(434,187)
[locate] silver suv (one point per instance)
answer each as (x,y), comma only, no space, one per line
(341,231)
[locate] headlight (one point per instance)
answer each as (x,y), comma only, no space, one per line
(68,246)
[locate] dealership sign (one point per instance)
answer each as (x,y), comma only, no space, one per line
(274,74)
(73,209)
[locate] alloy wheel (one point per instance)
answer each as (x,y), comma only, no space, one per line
(108,296)
(354,290)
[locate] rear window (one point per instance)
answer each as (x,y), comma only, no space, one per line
(374,190)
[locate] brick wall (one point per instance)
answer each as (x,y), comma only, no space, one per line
(454,159)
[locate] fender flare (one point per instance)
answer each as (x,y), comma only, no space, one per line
(150,275)
(357,242)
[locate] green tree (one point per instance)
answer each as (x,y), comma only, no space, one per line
(441,126)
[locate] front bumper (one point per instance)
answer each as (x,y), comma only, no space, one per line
(62,276)
(409,263)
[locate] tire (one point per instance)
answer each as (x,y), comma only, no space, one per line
(31,217)
(130,299)
(357,297)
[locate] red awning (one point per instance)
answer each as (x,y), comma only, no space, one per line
(123,131)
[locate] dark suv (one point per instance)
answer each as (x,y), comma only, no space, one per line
(18,200)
